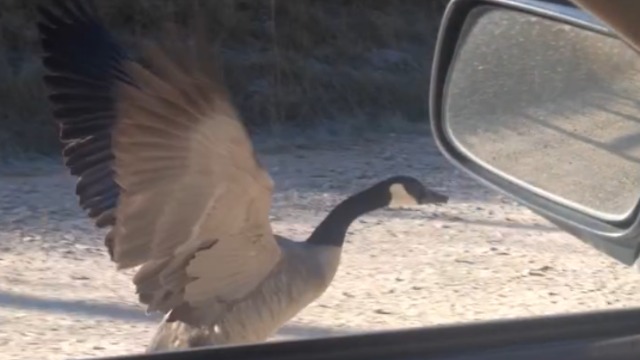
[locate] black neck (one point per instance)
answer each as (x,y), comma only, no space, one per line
(333,229)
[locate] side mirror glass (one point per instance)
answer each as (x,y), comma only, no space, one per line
(549,105)
(542,102)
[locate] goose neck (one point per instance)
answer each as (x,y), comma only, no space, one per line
(333,229)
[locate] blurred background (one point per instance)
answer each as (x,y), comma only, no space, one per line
(329,67)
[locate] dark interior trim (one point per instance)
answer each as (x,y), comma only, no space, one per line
(555,337)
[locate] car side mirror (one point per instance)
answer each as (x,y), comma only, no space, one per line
(542,102)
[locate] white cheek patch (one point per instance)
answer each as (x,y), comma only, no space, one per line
(400,197)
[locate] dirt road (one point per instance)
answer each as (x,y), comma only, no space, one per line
(480,257)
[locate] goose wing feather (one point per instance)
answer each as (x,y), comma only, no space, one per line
(190,198)
(81,96)
(193,190)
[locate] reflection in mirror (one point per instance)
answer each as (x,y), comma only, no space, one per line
(550,105)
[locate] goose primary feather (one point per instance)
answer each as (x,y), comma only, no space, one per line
(164,162)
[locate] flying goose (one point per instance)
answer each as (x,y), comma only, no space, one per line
(165,163)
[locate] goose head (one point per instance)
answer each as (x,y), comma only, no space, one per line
(395,191)
(409,191)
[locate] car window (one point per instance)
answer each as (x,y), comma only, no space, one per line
(118,239)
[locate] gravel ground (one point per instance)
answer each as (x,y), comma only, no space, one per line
(480,257)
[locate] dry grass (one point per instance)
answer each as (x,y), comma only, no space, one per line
(330,65)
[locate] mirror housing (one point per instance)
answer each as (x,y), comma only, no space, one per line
(537,80)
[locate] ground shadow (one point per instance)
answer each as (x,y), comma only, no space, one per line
(132,313)
(460,219)
(75,307)
(307,331)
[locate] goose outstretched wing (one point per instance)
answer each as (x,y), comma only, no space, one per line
(192,200)
(83,64)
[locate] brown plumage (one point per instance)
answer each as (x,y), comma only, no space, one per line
(169,166)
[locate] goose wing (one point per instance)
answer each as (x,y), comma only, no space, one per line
(192,199)
(83,64)
(192,189)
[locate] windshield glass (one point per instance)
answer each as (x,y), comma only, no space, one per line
(141,217)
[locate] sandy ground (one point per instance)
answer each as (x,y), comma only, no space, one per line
(480,257)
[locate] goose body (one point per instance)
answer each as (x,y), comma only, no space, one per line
(165,163)
(303,275)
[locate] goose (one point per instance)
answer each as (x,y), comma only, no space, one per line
(163,161)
